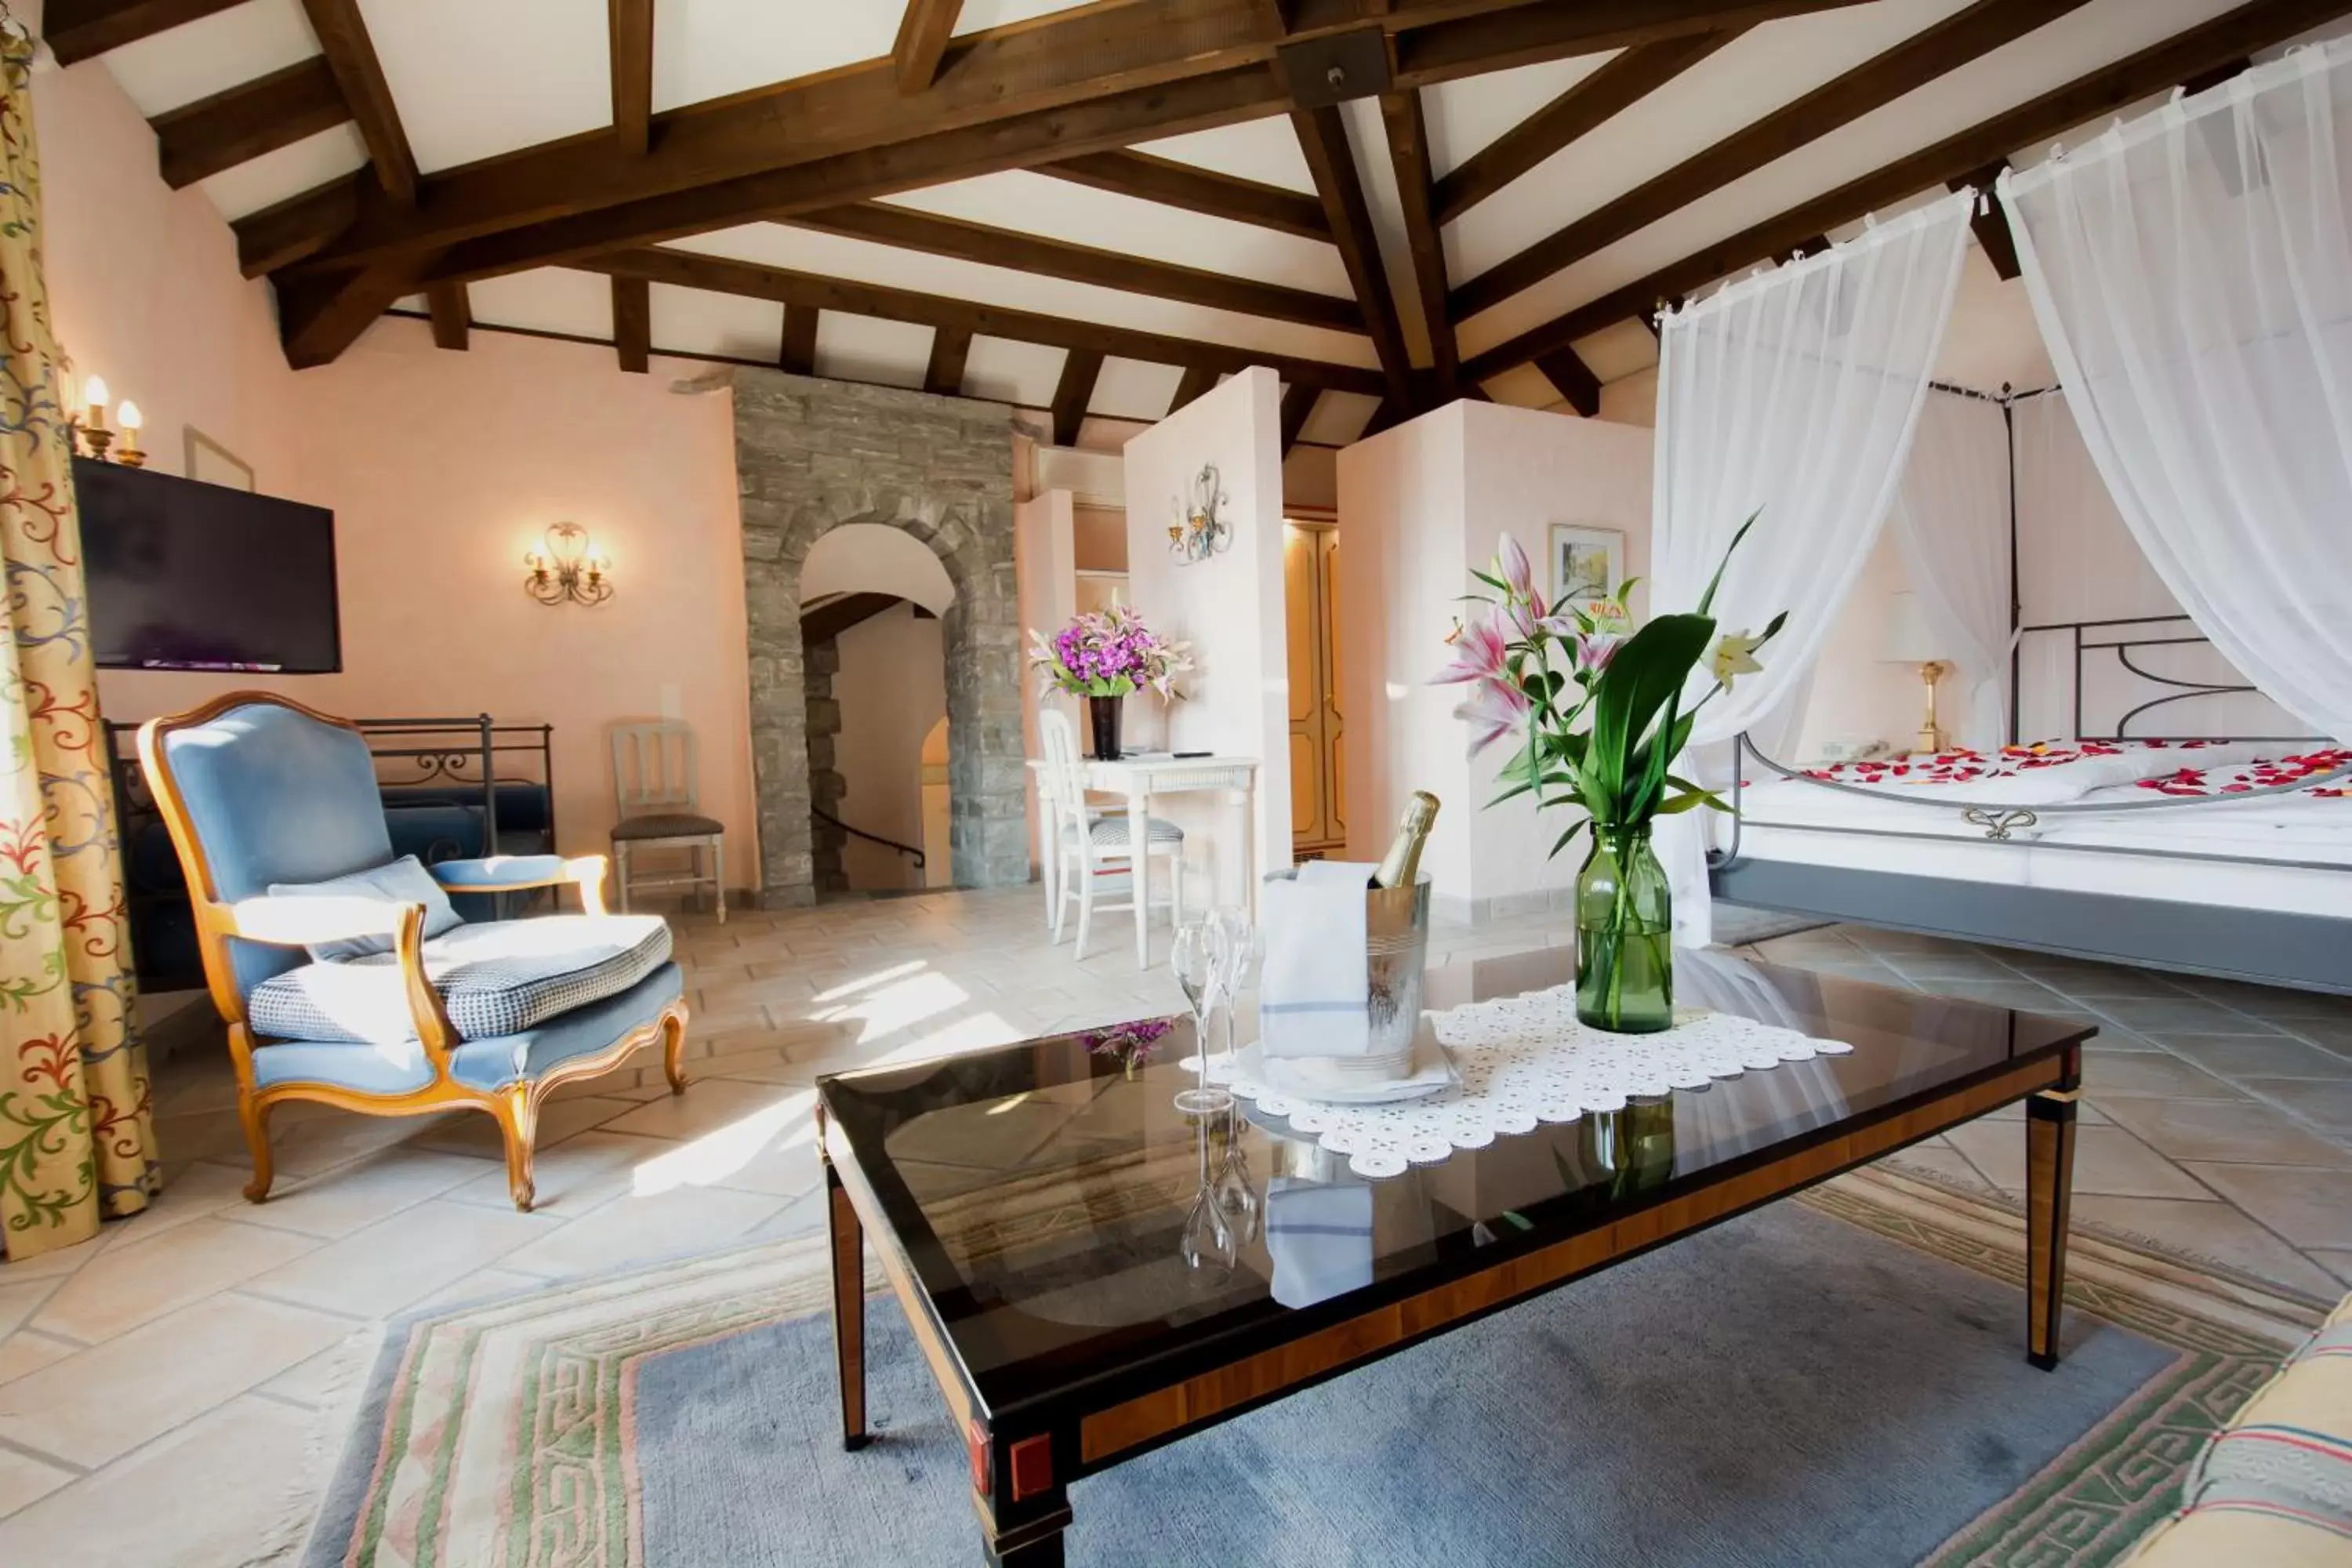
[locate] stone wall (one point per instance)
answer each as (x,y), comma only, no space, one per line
(810,455)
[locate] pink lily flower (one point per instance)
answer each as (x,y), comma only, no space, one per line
(1517,573)
(1494,712)
(1480,652)
(1595,650)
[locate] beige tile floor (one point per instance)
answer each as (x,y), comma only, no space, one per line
(173,1391)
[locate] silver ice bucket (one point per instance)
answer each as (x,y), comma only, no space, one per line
(1396,954)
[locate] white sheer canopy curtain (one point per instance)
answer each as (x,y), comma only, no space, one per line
(2192,274)
(1951,519)
(1792,393)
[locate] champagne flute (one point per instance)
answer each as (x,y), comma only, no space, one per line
(1235,1198)
(1198,960)
(1208,1238)
(1242,949)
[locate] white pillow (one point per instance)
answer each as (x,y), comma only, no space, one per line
(403,881)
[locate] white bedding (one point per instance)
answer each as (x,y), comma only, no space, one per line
(2154,846)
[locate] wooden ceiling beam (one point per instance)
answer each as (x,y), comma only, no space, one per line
(2111,88)
(1198,380)
(690,270)
(1574,380)
(1297,404)
(1991,223)
(1331,158)
(1164,180)
(909,230)
(1198,104)
(924,30)
(950,348)
(294,229)
(1408,139)
(199,139)
(77,29)
(1531,34)
(1917,60)
(320,315)
(798,352)
(630,25)
(452,315)
(632,323)
(1061,67)
(1625,80)
(343,40)
(1072,393)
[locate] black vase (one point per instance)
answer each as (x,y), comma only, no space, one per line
(1105,711)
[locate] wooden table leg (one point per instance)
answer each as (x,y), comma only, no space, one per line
(1139,877)
(2049,1188)
(1035,1544)
(848,1309)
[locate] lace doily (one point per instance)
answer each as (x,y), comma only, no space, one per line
(1523,1060)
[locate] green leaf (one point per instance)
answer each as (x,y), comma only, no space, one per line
(1513,792)
(1495,583)
(1682,803)
(1565,839)
(1706,600)
(1648,670)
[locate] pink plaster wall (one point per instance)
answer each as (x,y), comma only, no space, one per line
(441,467)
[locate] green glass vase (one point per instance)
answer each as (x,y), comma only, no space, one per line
(1624,935)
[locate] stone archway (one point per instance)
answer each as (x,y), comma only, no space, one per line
(811,455)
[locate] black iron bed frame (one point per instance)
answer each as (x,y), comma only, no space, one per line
(2309,951)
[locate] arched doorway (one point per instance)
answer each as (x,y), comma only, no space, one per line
(814,456)
(871,598)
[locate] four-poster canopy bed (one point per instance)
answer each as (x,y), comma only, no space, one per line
(2191,274)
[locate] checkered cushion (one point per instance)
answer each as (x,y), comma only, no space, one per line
(1110,832)
(496,977)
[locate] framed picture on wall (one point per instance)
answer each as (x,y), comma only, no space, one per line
(1586,563)
(215,464)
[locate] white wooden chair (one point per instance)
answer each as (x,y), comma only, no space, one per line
(657,790)
(1090,847)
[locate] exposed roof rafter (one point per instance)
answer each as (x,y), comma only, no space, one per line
(630,25)
(77,29)
(924,30)
(1164,180)
(951,347)
(199,139)
(689,269)
(632,323)
(1072,393)
(344,39)
(1408,139)
(1917,60)
(451,315)
(1323,136)
(2113,86)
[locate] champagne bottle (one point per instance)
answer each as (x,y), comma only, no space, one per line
(1401,863)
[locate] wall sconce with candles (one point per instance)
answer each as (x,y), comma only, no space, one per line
(98,442)
(569,569)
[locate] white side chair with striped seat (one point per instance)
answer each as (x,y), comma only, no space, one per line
(1090,848)
(656,789)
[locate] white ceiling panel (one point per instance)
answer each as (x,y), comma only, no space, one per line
(1059,209)
(473,80)
(834,256)
(1466,117)
(1131,389)
(1338,418)
(212,54)
(546,300)
(2071,47)
(1523,386)
(1264,150)
(859,348)
(1768,68)
(288,172)
(697,322)
(1021,373)
(1618,352)
(978,15)
(709,49)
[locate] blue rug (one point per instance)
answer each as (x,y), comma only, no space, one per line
(1787,1388)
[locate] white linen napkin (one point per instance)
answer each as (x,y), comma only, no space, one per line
(1313,993)
(1319,1236)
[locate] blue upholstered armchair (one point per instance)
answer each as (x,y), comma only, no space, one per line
(344,975)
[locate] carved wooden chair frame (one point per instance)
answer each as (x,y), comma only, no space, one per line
(515,1106)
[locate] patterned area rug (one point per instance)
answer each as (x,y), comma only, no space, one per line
(1840,1380)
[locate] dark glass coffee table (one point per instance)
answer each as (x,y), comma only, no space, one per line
(1028,1204)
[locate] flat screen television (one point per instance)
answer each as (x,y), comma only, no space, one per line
(187,575)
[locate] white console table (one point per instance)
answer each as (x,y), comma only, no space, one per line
(1139,778)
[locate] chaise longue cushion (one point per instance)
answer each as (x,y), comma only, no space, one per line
(497,978)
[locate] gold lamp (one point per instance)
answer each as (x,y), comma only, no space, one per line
(568,569)
(1907,638)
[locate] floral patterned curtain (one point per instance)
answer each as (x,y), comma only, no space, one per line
(77,1140)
